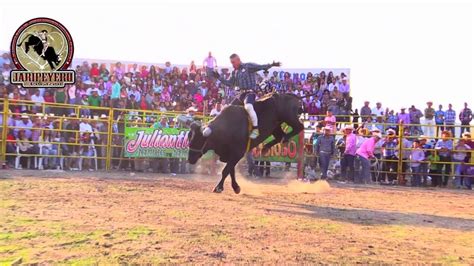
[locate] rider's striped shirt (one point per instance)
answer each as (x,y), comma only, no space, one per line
(244,76)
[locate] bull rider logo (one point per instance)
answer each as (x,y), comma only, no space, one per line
(42,50)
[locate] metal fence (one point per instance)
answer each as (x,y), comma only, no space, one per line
(108,146)
(398,166)
(109,139)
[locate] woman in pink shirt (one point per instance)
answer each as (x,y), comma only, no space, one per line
(330,121)
(364,154)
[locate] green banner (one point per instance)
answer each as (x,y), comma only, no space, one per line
(279,152)
(140,142)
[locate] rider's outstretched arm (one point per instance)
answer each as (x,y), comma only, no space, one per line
(252,67)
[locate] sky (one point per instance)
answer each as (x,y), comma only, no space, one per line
(399,53)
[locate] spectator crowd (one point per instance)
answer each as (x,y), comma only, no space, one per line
(371,132)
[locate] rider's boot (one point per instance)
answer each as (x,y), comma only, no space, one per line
(254,133)
(253,117)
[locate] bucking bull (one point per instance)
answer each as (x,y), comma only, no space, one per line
(228,133)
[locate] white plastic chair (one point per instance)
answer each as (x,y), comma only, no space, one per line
(18,158)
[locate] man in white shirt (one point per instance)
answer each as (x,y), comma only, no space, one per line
(84,126)
(378,110)
(38,99)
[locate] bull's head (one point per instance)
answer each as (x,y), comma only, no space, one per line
(197,142)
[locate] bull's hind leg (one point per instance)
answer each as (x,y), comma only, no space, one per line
(27,47)
(220,186)
(235,186)
(297,126)
(278,135)
(51,64)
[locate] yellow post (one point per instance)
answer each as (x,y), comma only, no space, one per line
(109,139)
(3,149)
(400,152)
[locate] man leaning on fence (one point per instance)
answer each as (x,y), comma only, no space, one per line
(365,153)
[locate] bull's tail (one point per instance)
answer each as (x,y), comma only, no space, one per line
(28,36)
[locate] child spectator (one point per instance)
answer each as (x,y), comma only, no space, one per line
(435,172)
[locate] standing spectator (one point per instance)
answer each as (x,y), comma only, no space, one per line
(365,153)
(71,93)
(84,126)
(84,110)
(348,157)
(94,101)
(444,146)
(365,111)
(60,96)
(465,116)
(115,90)
(94,72)
(378,110)
(439,119)
(104,72)
(330,121)
(416,158)
(450,120)
(389,147)
(429,120)
(355,118)
(38,99)
(459,156)
(325,147)
(426,147)
(134,91)
(404,118)
(344,87)
(404,153)
(415,120)
(209,64)
(392,120)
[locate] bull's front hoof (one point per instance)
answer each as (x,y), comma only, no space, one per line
(236,189)
(217,190)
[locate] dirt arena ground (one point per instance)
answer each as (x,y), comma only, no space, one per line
(109,218)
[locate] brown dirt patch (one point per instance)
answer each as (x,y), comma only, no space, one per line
(109,218)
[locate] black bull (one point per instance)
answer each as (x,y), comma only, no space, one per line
(229,134)
(50,55)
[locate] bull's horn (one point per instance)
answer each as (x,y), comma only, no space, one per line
(206,132)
